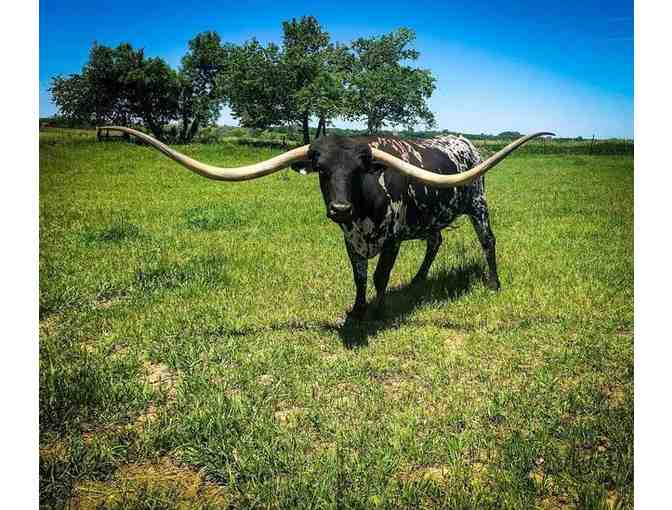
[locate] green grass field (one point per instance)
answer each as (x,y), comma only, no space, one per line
(193,351)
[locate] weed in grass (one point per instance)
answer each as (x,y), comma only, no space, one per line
(204,272)
(119,230)
(211,217)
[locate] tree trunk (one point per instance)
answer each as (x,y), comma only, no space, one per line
(306,132)
(183,132)
(184,128)
(320,128)
(195,125)
(155,129)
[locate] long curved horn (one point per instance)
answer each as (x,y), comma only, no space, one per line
(452,180)
(242,173)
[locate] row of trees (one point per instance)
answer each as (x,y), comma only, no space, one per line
(122,86)
(308,77)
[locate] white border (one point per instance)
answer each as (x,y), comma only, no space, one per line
(653,332)
(19,255)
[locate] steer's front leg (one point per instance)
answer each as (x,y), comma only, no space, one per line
(360,267)
(381,277)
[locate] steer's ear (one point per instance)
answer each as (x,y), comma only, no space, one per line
(305,166)
(370,164)
(377,166)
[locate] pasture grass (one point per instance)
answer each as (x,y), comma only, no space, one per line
(194,352)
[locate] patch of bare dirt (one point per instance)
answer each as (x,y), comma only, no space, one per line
(615,394)
(88,347)
(288,416)
(613,499)
(431,473)
(454,340)
(105,303)
(590,449)
(265,380)
(330,356)
(48,326)
(393,388)
(159,376)
(555,503)
(146,418)
(53,451)
(347,387)
(189,487)
(627,332)
(119,351)
(397,388)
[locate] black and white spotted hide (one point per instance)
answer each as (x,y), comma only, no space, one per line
(389,208)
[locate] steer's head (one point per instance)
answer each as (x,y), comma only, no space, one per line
(339,162)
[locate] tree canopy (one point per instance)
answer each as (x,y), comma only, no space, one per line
(121,86)
(307,77)
(381,90)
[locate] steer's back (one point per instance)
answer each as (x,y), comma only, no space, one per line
(419,209)
(446,154)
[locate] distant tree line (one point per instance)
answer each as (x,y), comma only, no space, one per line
(308,77)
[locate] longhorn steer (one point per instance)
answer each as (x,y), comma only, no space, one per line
(382,191)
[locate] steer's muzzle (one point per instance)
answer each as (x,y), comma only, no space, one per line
(340,212)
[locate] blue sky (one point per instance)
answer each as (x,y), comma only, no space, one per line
(500,65)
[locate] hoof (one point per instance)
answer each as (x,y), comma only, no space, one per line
(357,313)
(493,284)
(418,279)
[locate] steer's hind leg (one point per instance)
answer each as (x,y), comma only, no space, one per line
(359,273)
(480,219)
(433,244)
(382,275)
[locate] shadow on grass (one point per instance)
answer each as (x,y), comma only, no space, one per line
(446,285)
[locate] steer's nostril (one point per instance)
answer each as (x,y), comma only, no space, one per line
(341,208)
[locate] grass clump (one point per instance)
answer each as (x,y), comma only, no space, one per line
(118,231)
(202,272)
(210,218)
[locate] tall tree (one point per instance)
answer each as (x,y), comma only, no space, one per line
(120,85)
(151,89)
(267,86)
(255,84)
(306,48)
(117,85)
(381,90)
(324,95)
(201,84)
(72,95)
(100,86)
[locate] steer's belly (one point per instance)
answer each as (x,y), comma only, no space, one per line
(367,238)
